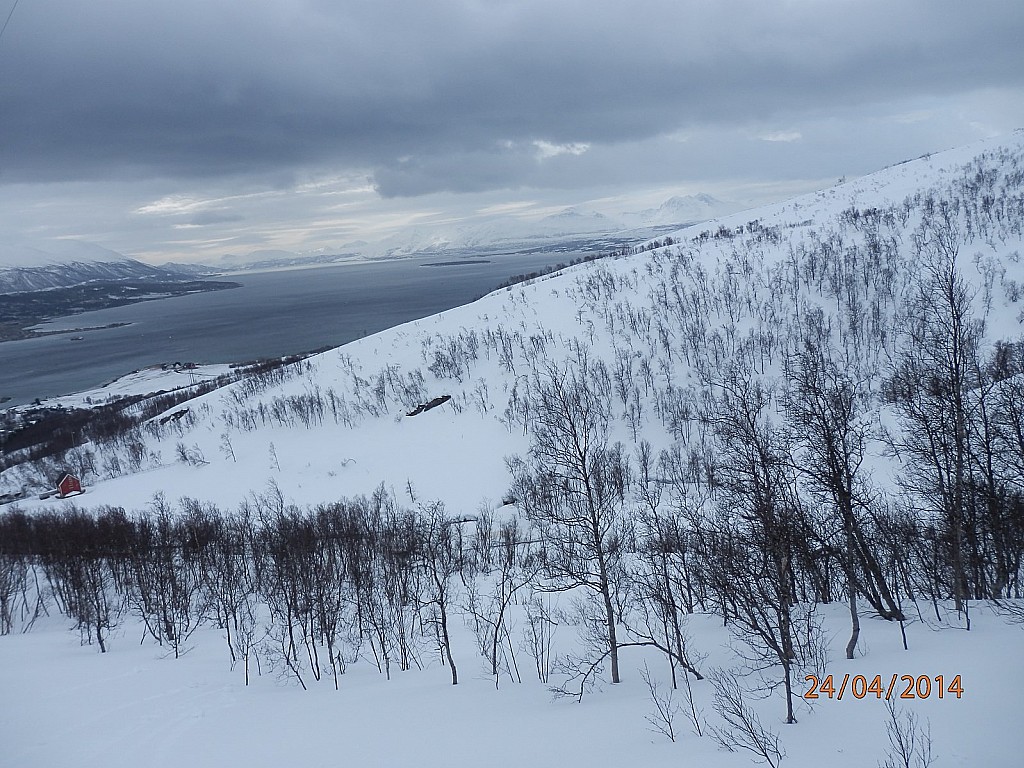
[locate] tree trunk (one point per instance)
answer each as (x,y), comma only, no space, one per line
(851,582)
(613,644)
(447,642)
(851,646)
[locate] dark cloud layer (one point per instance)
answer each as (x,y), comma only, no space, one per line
(455,95)
(196,128)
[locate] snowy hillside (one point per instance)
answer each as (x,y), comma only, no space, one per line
(64,263)
(775,416)
(729,291)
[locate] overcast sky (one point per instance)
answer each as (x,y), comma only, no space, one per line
(194,128)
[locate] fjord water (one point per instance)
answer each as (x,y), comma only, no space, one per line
(272,314)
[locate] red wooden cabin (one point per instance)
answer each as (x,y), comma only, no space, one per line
(68,484)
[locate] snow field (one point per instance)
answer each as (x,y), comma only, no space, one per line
(64,704)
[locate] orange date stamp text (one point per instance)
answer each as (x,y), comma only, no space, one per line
(896,687)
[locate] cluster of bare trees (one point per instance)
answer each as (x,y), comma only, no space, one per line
(961,430)
(867,345)
(303,591)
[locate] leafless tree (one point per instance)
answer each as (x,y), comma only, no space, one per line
(542,622)
(81,555)
(572,486)
(662,719)
(910,743)
(663,583)
(442,557)
(826,408)
(747,547)
(743,729)
(515,566)
(165,580)
(929,386)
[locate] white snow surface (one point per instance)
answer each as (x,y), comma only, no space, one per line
(64,705)
(68,705)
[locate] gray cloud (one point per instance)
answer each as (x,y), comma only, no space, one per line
(199,89)
(469,96)
(206,218)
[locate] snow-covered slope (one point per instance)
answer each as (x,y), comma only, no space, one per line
(726,288)
(71,706)
(661,332)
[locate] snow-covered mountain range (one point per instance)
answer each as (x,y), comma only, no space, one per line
(574,223)
(585,228)
(64,263)
(55,252)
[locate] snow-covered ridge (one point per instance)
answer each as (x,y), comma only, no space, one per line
(56,252)
(65,263)
(882,189)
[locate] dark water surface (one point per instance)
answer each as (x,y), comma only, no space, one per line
(272,314)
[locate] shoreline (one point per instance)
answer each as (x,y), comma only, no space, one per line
(22,313)
(16,333)
(291,310)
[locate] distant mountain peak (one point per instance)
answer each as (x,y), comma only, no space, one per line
(63,263)
(701,198)
(685,209)
(45,253)
(574,213)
